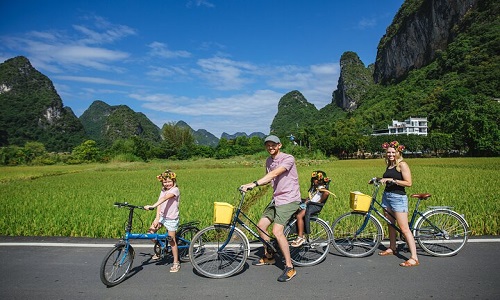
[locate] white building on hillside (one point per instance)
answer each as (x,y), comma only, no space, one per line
(409,126)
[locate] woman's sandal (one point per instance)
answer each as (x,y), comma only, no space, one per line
(409,263)
(386,252)
(298,242)
(175,267)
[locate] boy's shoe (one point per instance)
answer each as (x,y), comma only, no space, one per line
(264,261)
(287,274)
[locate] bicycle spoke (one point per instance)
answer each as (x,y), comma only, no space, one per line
(116,265)
(350,243)
(210,259)
(317,244)
(441,233)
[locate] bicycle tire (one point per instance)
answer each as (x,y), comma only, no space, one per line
(207,258)
(188,235)
(116,265)
(159,250)
(346,241)
(316,247)
(449,239)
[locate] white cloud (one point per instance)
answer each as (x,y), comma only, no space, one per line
(161,50)
(243,112)
(56,51)
(108,36)
(365,23)
(325,69)
(224,74)
(199,3)
(92,80)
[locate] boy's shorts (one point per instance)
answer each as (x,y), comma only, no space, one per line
(280,214)
(171,225)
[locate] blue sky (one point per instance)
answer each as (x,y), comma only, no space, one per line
(217,65)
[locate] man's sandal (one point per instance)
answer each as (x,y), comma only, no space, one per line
(409,263)
(386,252)
(175,267)
(298,242)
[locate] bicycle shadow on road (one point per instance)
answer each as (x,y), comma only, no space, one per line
(402,251)
(147,260)
(255,254)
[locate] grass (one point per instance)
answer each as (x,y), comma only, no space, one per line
(78,200)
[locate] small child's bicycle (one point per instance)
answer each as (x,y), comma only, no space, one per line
(118,261)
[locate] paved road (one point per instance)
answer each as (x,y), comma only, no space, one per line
(63,270)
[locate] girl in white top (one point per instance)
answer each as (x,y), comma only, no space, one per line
(318,194)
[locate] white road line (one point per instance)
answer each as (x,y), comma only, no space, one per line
(252,245)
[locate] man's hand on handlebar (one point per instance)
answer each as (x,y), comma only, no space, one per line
(149,207)
(246,187)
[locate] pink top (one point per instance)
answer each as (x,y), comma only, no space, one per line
(170,208)
(286,186)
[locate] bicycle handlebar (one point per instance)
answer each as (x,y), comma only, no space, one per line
(126,204)
(375,181)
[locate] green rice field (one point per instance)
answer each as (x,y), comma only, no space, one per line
(78,200)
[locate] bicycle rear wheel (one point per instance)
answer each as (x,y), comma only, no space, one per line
(211,259)
(315,249)
(186,236)
(116,264)
(349,242)
(441,232)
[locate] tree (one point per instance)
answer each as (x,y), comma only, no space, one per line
(87,151)
(179,138)
(142,148)
(439,142)
(33,150)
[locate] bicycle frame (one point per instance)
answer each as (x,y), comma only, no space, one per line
(238,220)
(439,231)
(416,213)
(138,236)
(162,238)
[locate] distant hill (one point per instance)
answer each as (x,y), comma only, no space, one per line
(438,59)
(294,112)
(227,136)
(105,124)
(201,136)
(32,111)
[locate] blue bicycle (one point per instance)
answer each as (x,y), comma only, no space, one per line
(118,261)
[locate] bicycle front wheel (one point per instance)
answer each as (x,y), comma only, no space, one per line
(316,247)
(116,264)
(356,236)
(216,254)
(184,240)
(441,232)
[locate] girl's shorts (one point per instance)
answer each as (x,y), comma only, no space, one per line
(171,225)
(395,202)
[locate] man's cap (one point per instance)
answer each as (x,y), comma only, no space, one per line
(272,138)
